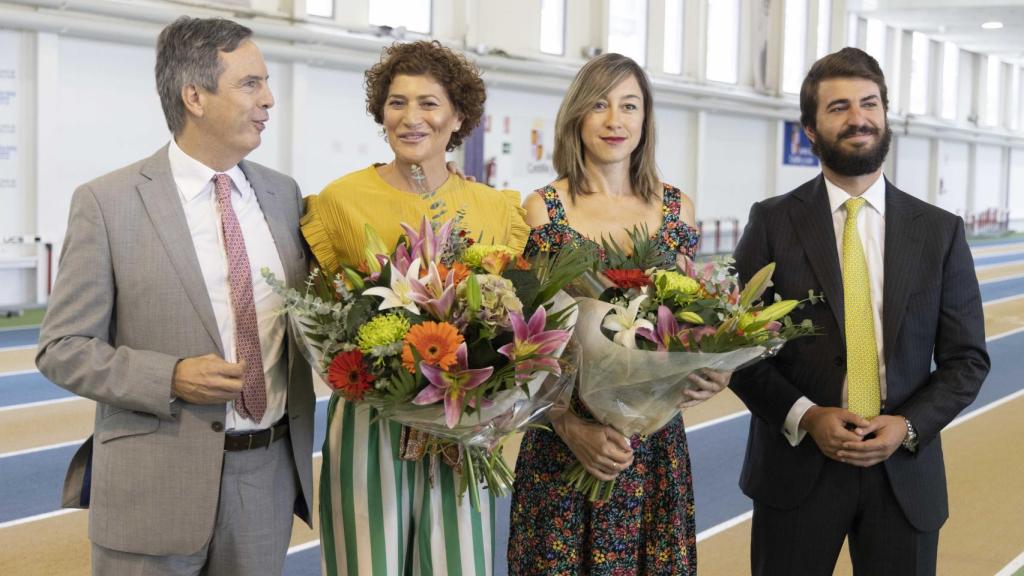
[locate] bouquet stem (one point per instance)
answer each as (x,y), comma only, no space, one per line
(586,483)
(490,467)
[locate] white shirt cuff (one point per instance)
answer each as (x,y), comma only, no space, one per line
(791,427)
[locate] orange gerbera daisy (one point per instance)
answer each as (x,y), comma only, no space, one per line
(435,342)
(348,375)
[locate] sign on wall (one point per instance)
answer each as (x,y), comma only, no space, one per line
(796,148)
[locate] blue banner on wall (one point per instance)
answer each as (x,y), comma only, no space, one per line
(796,148)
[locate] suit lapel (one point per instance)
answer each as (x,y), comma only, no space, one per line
(160,197)
(275,208)
(903,241)
(813,222)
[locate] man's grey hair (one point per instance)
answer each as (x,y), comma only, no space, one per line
(188,52)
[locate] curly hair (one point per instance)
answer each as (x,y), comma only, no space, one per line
(459,77)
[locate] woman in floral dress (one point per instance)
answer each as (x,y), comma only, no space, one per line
(608,183)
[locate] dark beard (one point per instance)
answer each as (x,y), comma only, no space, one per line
(857,163)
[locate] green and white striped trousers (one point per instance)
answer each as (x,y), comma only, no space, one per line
(379,515)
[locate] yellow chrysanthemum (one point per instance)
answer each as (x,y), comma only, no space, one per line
(475,254)
(381,331)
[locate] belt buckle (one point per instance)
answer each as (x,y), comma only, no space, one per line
(271,440)
(249,447)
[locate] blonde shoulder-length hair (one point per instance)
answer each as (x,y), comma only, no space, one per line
(592,83)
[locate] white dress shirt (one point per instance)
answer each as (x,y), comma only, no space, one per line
(871,227)
(196,190)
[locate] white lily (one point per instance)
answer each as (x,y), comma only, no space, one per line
(624,323)
(400,293)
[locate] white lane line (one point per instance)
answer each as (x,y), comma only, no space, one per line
(18,373)
(306,546)
(717,529)
(17,348)
(41,449)
(719,420)
(1001,279)
(1012,568)
(42,403)
(1002,300)
(37,517)
(60,445)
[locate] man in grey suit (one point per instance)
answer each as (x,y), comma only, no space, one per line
(900,292)
(204,408)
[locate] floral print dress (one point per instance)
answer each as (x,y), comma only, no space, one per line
(647,526)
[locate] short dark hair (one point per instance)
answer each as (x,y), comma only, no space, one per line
(188,52)
(846,63)
(459,77)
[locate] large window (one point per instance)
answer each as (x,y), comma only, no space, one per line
(795,46)
(413,15)
(627,29)
(321,8)
(723,41)
(673,58)
(875,43)
(552,27)
(992,91)
(824,27)
(950,84)
(919,74)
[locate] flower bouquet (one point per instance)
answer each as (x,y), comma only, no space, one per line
(459,341)
(658,322)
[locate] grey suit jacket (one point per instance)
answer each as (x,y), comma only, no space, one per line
(128,303)
(931,310)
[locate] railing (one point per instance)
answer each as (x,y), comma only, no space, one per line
(988,222)
(718,236)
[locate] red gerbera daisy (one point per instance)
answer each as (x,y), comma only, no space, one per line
(348,375)
(628,278)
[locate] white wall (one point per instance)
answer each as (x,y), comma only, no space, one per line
(952,172)
(520,137)
(735,171)
(988,178)
(913,160)
(675,151)
(1016,200)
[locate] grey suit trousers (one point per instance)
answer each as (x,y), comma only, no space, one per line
(253,527)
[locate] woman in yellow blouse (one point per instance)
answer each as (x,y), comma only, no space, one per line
(381,513)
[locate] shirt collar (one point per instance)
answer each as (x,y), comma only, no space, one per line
(875,195)
(194,178)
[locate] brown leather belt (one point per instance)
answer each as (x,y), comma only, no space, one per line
(258,439)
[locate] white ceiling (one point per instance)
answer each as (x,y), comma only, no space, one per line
(957,21)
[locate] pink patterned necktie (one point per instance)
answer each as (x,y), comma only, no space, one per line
(253,402)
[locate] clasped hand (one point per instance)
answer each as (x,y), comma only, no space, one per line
(208,379)
(602,450)
(846,437)
(707,383)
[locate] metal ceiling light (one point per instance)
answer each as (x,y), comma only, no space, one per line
(993,25)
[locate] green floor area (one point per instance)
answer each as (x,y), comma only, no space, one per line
(983,240)
(31,317)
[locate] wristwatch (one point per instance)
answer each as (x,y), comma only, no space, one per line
(910,442)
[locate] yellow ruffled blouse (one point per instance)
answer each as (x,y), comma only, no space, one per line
(335,219)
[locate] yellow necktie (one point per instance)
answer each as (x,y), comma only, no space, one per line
(861,350)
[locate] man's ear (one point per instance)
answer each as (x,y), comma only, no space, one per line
(193,99)
(811,135)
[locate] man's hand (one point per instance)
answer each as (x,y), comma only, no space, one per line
(830,429)
(889,431)
(708,383)
(601,449)
(207,380)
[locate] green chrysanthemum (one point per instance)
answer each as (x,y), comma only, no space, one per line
(671,284)
(382,331)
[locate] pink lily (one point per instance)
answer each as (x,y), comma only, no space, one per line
(692,336)
(666,329)
(452,385)
(532,347)
(428,242)
(433,293)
